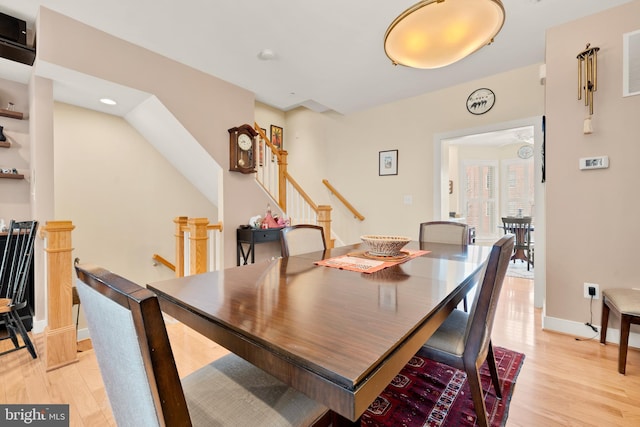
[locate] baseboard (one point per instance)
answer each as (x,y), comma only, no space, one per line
(83,334)
(581,330)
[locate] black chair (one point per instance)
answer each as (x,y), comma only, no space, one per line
(463,341)
(521,228)
(302,238)
(17,258)
(134,354)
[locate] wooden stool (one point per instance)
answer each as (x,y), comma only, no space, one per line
(626,304)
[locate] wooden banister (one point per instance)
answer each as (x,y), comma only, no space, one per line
(60,333)
(198,232)
(299,189)
(163,261)
(343,200)
(180,223)
(287,186)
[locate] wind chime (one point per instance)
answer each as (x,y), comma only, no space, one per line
(588,80)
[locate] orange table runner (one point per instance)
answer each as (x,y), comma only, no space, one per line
(359,261)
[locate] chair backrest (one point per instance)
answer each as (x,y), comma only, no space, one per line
(444,232)
(302,238)
(520,227)
(17,258)
(133,350)
(481,316)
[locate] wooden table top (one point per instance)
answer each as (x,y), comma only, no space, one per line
(338,336)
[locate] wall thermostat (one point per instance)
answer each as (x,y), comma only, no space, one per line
(601,162)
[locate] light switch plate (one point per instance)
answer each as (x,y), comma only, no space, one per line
(599,162)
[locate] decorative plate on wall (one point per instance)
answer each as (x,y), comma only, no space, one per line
(480,101)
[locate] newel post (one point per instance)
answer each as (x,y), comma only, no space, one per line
(282,180)
(60,334)
(198,236)
(324,220)
(181,222)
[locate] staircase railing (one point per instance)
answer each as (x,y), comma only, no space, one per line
(344,201)
(273,176)
(198,247)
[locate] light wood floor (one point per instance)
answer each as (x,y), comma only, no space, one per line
(563,382)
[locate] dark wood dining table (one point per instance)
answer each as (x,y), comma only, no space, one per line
(338,336)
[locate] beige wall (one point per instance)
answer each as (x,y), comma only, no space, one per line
(591,226)
(120,192)
(204,105)
(345,149)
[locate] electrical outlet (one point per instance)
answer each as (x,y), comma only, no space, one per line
(595,290)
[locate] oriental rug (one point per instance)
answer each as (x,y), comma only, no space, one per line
(428,394)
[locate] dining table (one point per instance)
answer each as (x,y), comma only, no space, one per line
(339,336)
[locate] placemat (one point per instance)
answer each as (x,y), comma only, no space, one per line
(363,263)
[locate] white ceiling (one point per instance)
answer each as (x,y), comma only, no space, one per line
(328,54)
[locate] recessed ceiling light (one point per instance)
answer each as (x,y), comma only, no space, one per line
(108,101)
(266,55)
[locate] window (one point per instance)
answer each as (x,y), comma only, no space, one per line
(480,196)
(517,191)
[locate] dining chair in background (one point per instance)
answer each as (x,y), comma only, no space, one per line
(17,258)
(302,238)
(451,232)
(521,228)
(463,341)
(444,232)
(625,303)
(134,354)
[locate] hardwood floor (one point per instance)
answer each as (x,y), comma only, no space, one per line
(563,382)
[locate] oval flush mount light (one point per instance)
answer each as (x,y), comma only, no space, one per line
(108,101)
(436,33)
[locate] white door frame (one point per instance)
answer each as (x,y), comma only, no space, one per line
(441,176)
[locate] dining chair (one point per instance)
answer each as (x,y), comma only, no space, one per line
(134,354)
(625,303)
(444,232)
(17,258)
(451,232)
(521,228)
(463,341)
(302,238)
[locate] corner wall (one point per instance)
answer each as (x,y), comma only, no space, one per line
(592,229)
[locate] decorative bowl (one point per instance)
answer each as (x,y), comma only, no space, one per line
(384,245)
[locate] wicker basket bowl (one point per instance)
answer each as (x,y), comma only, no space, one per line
(384,245)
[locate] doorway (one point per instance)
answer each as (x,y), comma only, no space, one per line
(505,137)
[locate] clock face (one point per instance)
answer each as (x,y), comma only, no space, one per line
(244,142)
(525,152)
(480,101)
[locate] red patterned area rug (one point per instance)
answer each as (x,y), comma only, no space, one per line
(428,394)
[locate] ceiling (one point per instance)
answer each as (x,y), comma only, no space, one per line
(327,55)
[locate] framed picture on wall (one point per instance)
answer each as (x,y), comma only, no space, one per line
(388,162)
(276,136)
(261,148)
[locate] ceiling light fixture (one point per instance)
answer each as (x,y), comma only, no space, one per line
(436,33)
(266,55)
(108,101)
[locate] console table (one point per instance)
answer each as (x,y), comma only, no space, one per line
(251,237)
